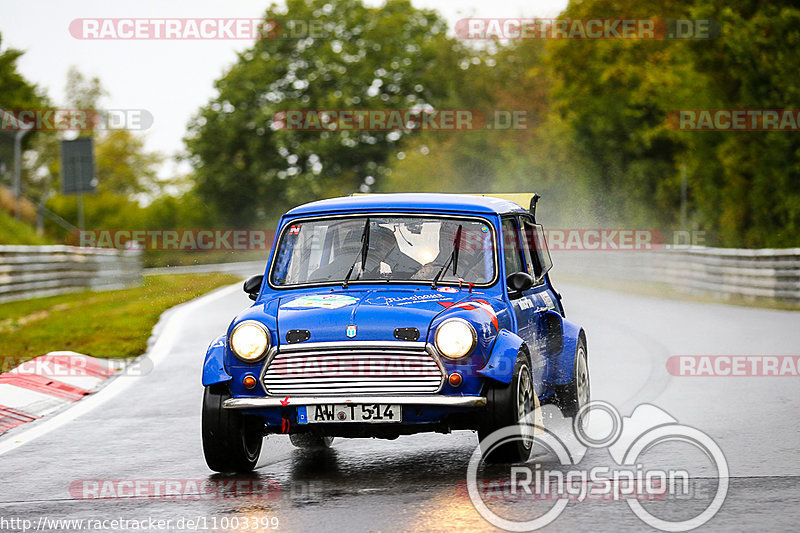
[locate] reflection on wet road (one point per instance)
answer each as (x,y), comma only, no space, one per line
(149,433)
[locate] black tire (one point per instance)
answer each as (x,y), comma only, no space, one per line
(504,409)
(577,393)
(310,441)
(231,440)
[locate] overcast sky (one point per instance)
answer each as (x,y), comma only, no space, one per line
(170,79)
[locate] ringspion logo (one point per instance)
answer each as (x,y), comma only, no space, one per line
(627,441)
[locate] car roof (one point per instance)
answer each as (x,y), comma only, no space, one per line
(426,202)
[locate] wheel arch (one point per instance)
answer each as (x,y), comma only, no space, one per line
(503,357)
(565,365)
(214,371)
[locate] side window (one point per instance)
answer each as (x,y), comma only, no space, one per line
(536,253)
(511,247)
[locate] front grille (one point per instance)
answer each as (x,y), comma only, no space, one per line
(337,368)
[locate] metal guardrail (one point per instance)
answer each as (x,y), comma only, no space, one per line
(243,268)
(34,271)
(723,272)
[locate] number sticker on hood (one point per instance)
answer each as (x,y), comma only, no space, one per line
(327,301)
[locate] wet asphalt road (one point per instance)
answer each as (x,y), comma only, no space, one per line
(148,428)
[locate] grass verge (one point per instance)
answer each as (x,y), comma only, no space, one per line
(13,231)
(102,324)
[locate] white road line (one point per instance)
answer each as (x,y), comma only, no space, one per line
(156,354)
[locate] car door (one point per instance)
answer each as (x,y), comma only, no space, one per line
(523,303)
(547,325)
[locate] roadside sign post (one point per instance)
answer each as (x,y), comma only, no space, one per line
(683,197)
(18,171)
(22,130)
(78,171)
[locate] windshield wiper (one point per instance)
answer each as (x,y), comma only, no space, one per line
(453,257)
(363,254)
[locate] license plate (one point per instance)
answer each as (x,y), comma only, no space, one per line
(332,413)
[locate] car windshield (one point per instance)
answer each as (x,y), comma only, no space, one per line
(380,248)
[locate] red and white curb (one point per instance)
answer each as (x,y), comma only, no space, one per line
(166,335)
(45,384)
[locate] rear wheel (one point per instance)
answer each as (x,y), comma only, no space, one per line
(231,440)
(310,441)
(511,405)
(577,393)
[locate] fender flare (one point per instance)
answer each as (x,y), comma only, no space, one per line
(214,364)
(503,357)
(565,366)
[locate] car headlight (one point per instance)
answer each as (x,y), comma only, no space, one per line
(249,341)
(455,338)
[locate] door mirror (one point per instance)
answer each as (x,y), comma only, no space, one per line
(253,285)
(519,282)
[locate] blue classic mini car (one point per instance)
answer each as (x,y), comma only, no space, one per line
(387,315)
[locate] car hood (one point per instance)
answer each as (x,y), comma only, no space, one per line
(375,313)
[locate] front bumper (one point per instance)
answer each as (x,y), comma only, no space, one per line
(422,400)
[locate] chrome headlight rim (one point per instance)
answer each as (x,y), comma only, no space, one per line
(471,331)
(267,342)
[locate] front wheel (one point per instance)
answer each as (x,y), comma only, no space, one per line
(577,393)
(231,440)
(511,405)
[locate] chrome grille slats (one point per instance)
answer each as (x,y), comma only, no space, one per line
(357,367)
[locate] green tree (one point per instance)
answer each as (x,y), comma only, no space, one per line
(747,184)
(124,166)
(534,155)
(126,171)
(16,93)
(614,96)
(83,92)
(389,57)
